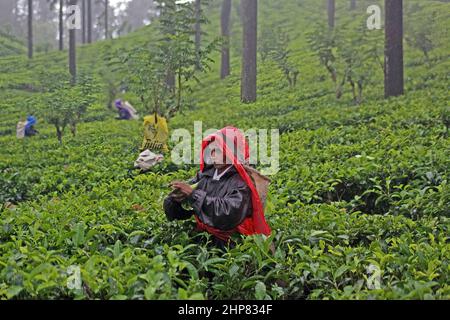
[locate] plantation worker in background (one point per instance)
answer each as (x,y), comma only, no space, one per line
(225,200)
(29,126)
(26,128)
(126,110)
(29,129)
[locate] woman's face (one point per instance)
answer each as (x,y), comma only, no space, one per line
(214,155)
(218,159)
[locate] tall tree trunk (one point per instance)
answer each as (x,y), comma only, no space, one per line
(393,55)
(59,133)
(352,4)
(89,21)
(106,19)
(30,29)
(198,30)
(83,21)
(225,26)
(61,25)
(249,64)
(331,13)
(72,49)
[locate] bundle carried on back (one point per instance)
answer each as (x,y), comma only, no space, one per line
(261,183)
(20,129)
(147,159)
(156,134)
(127,106)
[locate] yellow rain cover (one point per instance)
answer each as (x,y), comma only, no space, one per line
(156,133)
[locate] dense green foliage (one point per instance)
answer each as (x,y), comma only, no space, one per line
(359,187)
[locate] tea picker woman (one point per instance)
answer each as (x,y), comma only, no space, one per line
(126,111)
(29,126)
(225,200)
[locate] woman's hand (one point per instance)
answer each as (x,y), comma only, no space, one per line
(183,190)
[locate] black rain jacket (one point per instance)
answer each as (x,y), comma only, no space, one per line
(221,204)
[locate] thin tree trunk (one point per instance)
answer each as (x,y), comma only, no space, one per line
(89,21)
(198,30)
(30,29)
(61,26)
(83,21)
(73,128)
(225,26)
(106,19)
(393,58)
(340,86)
(353,85)
(360,91)
(58,134)
(72,50)
(331,13)
(352,4)
(249,63)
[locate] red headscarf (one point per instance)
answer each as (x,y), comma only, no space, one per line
(256,223)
